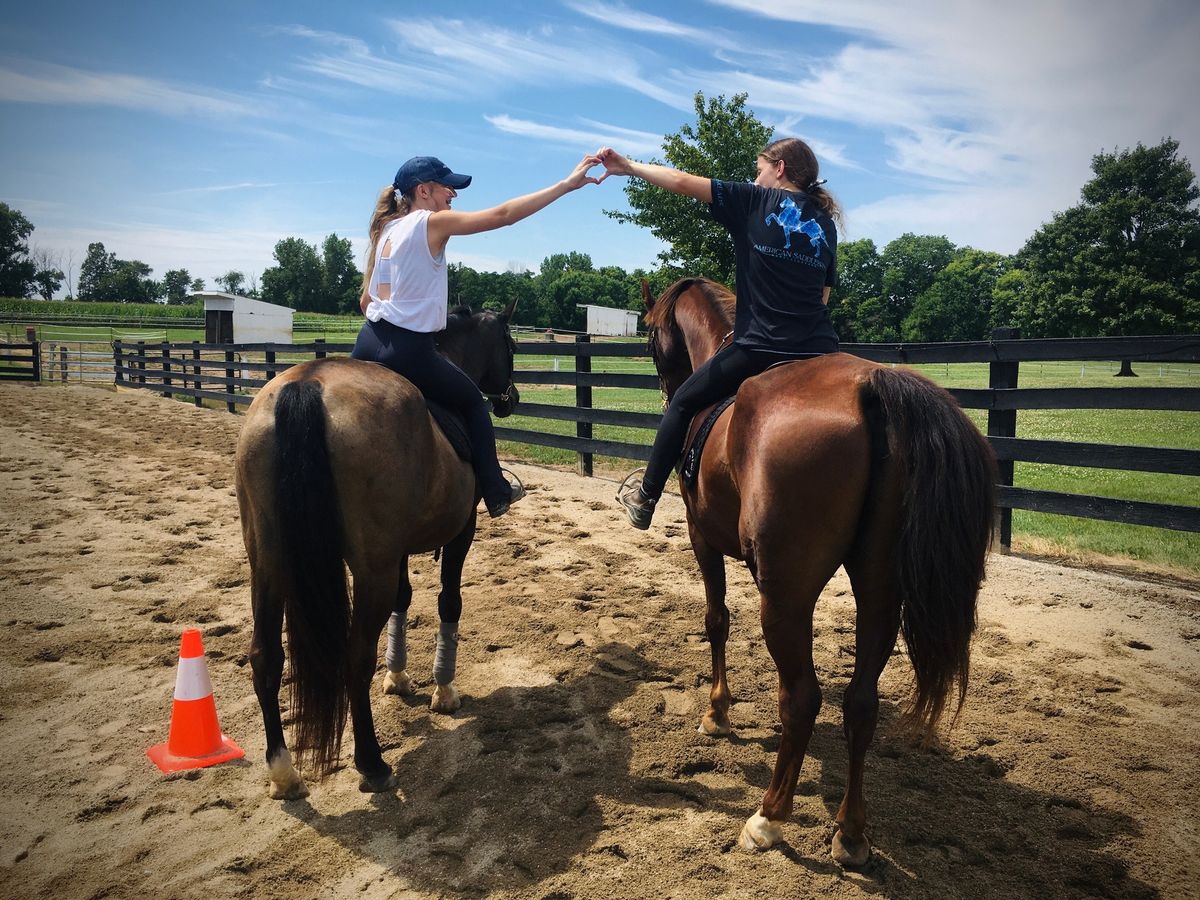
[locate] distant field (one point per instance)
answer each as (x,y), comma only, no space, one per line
(1058,534)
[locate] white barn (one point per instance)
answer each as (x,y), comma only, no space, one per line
(606,320)
(232,319)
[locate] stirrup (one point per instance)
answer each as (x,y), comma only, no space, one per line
(516,492)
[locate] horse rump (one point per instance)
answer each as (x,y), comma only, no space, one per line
(949,472)
(312,575)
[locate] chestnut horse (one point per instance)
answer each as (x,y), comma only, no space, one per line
(339,464)
(821,463)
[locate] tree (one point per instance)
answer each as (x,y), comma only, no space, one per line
(231,282)
(296,280)
(340,279)
(860,279)
(957,306)
(198,284)
(909,265)
(175,284)
(723,144)
(17,270)
(1126,260)
(96,272)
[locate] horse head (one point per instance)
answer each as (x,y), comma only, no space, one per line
(685,326)
(481,344)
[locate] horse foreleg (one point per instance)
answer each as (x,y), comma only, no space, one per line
(266,662)
(878,622)
(396,681)
(788,634)
(715,722)
(373,602)
(445,658)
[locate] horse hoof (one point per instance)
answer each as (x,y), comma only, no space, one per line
(712,728)
(850,853)
(286,783)
(397,683)
(445,699)
(760,833)
(376,784)
(297,790)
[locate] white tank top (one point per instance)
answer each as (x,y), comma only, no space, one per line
(409,285)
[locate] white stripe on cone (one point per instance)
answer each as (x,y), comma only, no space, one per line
(191,679)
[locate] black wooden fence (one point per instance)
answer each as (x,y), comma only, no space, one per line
(20,361)
(228,373)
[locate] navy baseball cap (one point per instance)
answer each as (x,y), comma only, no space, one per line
(420,169)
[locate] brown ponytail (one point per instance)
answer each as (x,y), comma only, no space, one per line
(387,209)
(800,167)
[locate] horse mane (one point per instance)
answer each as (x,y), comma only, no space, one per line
(723,300)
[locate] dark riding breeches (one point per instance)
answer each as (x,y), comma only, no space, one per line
(413,355)
(717,379)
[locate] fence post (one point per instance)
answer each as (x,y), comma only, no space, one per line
(118,362)
(583,398)
(320,353)
(37,356)
(62,362)
(270,364)
(1003,423)
(166,364)
(196,372)
(141,349)
(229,376)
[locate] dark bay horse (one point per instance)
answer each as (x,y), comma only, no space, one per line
(339,464)
(829,462)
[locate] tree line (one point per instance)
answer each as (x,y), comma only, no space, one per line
(1125,260)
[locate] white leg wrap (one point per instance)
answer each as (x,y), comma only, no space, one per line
(445,658)
(397,650)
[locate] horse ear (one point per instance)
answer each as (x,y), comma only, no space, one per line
(647,297)
(509,310)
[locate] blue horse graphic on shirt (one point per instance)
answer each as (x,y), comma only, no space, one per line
(790,221)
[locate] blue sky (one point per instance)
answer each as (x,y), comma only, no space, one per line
(198,135)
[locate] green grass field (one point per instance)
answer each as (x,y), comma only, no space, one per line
(1038,532)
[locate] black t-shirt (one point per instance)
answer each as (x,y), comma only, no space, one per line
(786,251)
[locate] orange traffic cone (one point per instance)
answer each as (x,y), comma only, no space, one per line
(195,739)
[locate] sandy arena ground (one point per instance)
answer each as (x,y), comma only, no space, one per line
(574,768)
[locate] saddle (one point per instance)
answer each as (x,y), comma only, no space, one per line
(453,426)
(689,467)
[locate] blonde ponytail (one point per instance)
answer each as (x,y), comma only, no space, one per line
(388,208)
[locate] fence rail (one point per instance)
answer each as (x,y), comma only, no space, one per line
(194,370)
(20,361)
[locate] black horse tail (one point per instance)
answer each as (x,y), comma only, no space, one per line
(316,601)
(949,472)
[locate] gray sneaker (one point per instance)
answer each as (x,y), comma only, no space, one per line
(638,506)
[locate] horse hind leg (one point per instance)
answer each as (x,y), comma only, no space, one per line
(266,662)
(878,620)
(396,681)
(787,629)
(445,660)
(374,599)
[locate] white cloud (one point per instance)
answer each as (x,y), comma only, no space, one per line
(38,82)
(586,140)
(618,15)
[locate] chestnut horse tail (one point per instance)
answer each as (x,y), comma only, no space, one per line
(949,472)
(316,602)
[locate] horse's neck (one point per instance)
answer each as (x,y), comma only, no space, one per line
(704,329)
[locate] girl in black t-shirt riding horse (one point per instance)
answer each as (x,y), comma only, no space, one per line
(785,244)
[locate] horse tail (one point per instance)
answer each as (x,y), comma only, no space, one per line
(949,474)
(316,601)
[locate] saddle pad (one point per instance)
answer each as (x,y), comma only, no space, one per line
(689,469)
(454,427)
